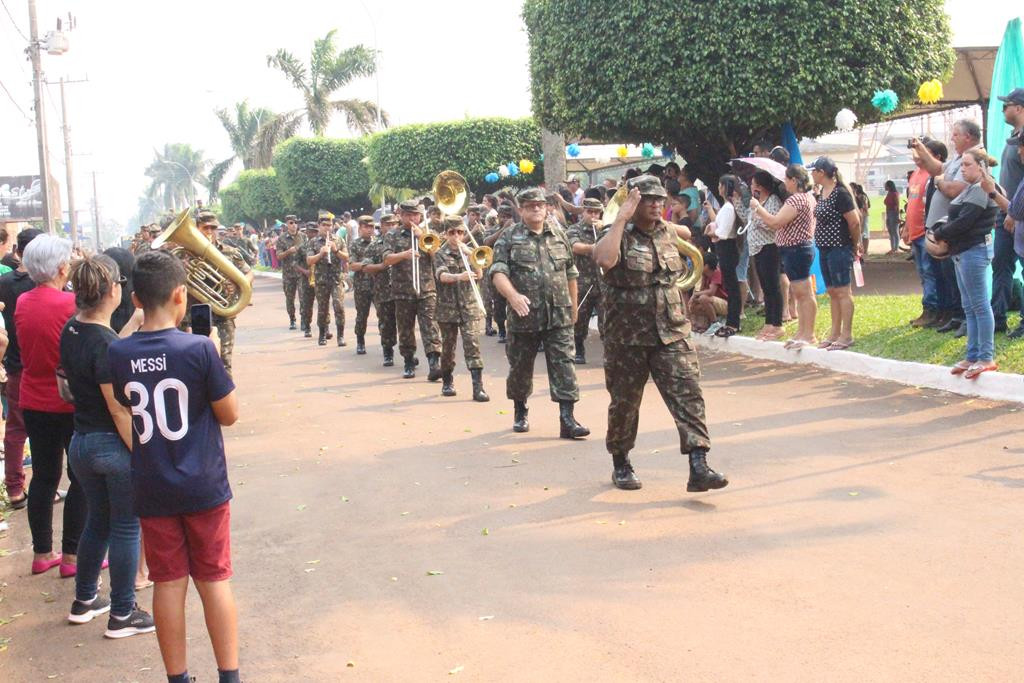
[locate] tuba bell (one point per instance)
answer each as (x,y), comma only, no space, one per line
(451,191)
(210,276)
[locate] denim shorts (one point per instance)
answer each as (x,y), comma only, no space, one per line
(797,260)
(836,266)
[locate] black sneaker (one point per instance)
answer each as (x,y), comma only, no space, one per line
(139,621)
(1017,333)
(82,613)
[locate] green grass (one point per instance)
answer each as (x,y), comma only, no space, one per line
(880,327)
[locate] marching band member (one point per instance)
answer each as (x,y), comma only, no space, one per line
(289,254)
(383,299)
(208,225)
(329,258)
(307,292)
(582,237)
(362,281)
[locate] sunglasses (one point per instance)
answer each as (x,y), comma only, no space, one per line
(325,222)
(292,223)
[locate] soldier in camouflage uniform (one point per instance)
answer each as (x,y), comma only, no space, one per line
(307,291)
(476,228)
(208,225)
(582,237)
(534,270)
(327,257)
(237,239)
(457,309)
(499,307)
(400,248)
(647,333)
(290,256)
(147,234)
(383,301)
(362,282)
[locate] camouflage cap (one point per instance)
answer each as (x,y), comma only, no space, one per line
(206,218)
(506,210)
(365,219)
(531,194)
(325,215)
(591,203)
(291,217)
(648,185)
(311,225)
(152,227)
(453,222)
(474,208)
(410,205)
(388,218)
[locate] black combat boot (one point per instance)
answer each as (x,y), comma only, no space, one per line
(489,328)
(410,368)
(330,335)
(360,346)
(521,424)
(479,394)
(341,337)
(291,325)
(703,477)
(581,352)
(570,428)
(623,476)
(307,331)
(305,327)
(447,384)
(322,341)
(434,363)
(501,331)
(389,356)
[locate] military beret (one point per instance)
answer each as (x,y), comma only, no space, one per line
(531,194)
(206,218)
(365,219)
(506,210)
(591,203)
(453,222)
(410,205)
(291,217)
(648,185)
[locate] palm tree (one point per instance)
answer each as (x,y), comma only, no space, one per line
(253,134)
(174,174)
(330,70)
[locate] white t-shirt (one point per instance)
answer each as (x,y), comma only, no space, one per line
(725,222)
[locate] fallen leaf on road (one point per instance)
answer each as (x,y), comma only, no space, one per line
(344,499)
(456,670)
(601,521)
(622,522)
(485,532)
(434,572)
(309,570)
(502,412)
(404,514)
(854,493)
(394,578)
(487,618)
(351,665)
(313,562)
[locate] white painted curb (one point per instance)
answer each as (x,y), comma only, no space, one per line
(998,386)
(273,275)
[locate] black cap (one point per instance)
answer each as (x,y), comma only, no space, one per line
(1016,96)
(823,164)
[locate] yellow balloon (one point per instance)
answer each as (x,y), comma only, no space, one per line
(622,151)
(526,166)
(930,92)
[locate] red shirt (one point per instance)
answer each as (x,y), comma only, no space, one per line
(892,201)
(715,279)
(40,317)
(915,203)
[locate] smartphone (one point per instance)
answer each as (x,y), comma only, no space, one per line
(202,319)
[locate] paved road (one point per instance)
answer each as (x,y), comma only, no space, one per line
(871,532)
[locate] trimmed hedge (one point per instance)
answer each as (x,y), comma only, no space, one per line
(231,204)
(260,195)
(410,156)
(323,173)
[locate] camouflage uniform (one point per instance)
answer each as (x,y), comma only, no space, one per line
(410,307)
(383,300)
(291,277)
(327,285)
(498,305)
(244,247)
(226,326)
(588,284)
(539,267)
(485,282)
(647,333)
(362,283)
(457,312)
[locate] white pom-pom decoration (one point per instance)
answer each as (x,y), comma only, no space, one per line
(503,171)
(845,120)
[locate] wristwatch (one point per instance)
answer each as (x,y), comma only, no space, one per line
(992,194)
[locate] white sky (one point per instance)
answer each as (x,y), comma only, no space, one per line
(157,70)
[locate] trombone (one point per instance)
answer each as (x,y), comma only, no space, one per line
(472,280)
(428,243)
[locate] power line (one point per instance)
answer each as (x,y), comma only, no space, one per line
(14,101)
(11,17)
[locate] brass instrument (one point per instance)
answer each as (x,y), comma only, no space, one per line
(451,191)
(429,242)
(210,276)
(690,278)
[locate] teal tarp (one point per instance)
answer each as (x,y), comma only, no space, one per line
(1007,74)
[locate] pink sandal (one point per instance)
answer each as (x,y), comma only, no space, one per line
(975,370)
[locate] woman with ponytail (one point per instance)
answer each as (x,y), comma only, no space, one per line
(723,229)
(837,237)
(99,453)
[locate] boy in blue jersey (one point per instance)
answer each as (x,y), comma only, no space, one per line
(179,395)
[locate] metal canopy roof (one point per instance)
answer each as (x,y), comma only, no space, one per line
(970,84)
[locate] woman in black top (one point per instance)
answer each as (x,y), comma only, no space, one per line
(99,453)
(837,236)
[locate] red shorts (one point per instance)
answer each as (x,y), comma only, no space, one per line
(196,545)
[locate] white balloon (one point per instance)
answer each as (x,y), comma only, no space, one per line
(845,120)
(503,171)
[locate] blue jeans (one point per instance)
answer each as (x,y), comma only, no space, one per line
(926,267)
(103,467)
(1004,263)
(976,294)
(744,265)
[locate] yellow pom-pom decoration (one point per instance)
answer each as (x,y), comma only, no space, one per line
(526,166)
(930,92)
(622,151)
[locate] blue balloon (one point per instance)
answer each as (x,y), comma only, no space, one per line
(667,152)
(513,169)
(573,150)
(491,177)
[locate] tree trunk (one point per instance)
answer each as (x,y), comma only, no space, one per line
(553,147)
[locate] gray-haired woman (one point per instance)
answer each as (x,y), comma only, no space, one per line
(39,319)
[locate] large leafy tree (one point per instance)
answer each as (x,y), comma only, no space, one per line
(174,174)
(328,71)
(710,78)
(322,173)
(253,134)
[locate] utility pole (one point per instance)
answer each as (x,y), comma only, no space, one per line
(72,216)
(96,212)
(37,87)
